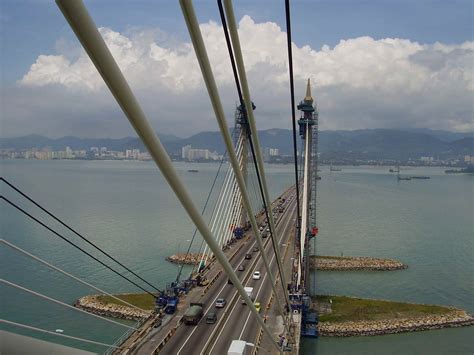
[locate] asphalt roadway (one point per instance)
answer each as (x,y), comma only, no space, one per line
(234,321)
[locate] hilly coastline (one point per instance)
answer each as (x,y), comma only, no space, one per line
(333,145)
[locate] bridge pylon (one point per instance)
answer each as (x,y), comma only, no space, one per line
(308,129)
(242,130)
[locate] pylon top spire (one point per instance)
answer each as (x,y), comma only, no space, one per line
(308,97)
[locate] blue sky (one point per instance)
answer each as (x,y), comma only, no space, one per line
(30,29)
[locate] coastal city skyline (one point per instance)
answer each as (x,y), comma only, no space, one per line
(237,177)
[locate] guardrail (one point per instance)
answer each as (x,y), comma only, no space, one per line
(232,302)
(258,340)
(209,285)
(167,337)
(121,340)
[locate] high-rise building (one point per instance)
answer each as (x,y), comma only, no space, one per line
(184,151)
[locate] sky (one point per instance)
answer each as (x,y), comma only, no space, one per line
(372,64)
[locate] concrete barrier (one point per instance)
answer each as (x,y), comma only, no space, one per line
(165,340)
(209,285)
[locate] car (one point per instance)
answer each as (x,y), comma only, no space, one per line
(256,275)
(241,267)
(255,249)
(211,318)
(220,302)
(229,281)
(257,306)
(248,256)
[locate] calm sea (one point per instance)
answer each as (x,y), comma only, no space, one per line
(128,209)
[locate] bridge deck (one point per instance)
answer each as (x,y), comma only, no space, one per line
(234,321)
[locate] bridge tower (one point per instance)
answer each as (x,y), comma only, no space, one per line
(308,129)
(242,129)
(308,126)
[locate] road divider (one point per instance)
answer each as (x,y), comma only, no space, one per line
(211,283)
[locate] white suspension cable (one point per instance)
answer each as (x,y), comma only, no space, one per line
(86,31)
(201,54)
(216,217)
(223,197)
(227,232)
(250,116)
(217,212)
(223,222)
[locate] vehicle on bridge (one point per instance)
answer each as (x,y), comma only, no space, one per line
(193,314)
(201,280)
(249,292)
(256,275)
(257,306)
(241,267)
(211,318)
(220,303)
(248,256)
(237,347)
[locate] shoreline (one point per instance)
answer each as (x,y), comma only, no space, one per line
(320,262)
(343,316)
(354,263)
(191,259)
(93,304)
(454,319)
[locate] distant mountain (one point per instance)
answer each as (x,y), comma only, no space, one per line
(359,144)
(445,136)
(390,144)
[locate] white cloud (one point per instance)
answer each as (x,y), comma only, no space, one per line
(359,83)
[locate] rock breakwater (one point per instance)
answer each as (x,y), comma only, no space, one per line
(94,305)
(190,259)
(455,318)
(358,263)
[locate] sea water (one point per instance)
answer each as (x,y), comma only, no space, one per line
(127,208)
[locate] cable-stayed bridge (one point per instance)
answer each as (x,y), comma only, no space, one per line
(249,241)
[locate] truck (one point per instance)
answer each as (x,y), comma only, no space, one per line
(168,302)
(237,347)
(171,305)
(249,292)
(193,314)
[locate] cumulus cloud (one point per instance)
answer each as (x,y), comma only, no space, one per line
(359,83)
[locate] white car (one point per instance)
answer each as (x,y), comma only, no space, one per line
(256,275)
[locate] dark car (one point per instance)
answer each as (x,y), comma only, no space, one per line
(248,256)
(211,318)
(229,281)
(157,323)
(241,267)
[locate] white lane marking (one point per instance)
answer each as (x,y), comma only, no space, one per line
(268,246)
(190,335)
(230,314)
(218,294)
(271,261)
